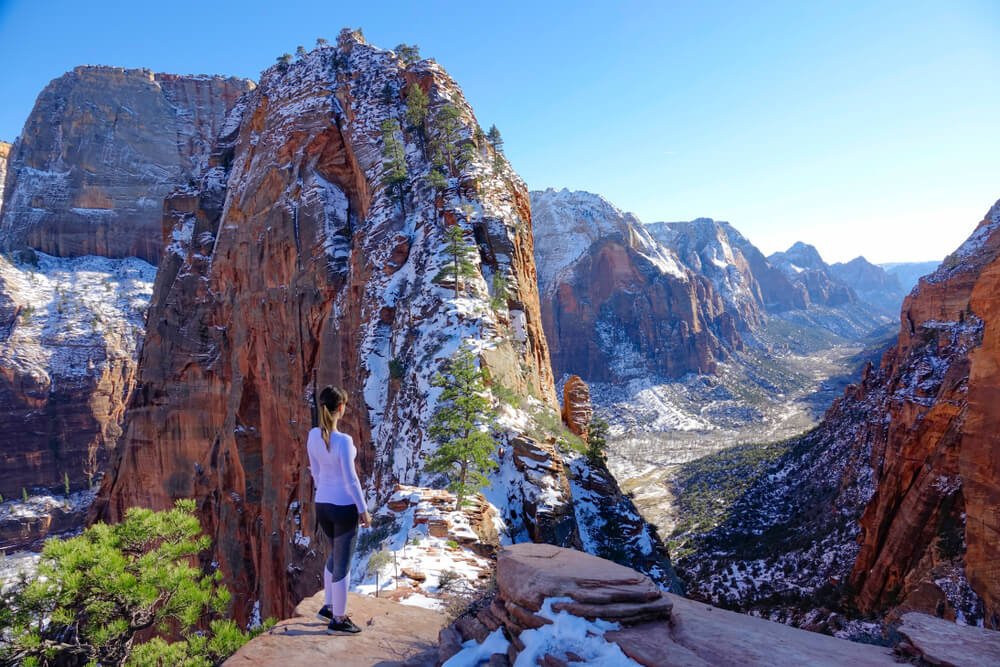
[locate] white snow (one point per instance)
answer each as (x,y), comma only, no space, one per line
(474,654)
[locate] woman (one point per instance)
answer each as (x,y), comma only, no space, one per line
(340,505)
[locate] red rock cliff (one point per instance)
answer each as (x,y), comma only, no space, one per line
(291,256)
(101,149)
(931,532)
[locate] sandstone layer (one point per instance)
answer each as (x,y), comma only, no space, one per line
(293,266)
(617,304)
(576,408)
(655,629)
(4,159)
(101,149)
(931,532)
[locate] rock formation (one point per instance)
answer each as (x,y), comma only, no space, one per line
(4,158)
(561,606)
(802,264)
(87,177)
(576,408)
(616,303)
(741,274)
(932,524)
(101,149)
(293,256)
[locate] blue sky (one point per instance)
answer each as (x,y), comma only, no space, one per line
(860,127)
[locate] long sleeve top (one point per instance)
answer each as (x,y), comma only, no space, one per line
(334,475)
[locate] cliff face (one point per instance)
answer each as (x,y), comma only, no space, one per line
(932,522)
(616,303)
(803,265)
(87,177)
(4,159)
(293,256)
(100,151)
(748,283)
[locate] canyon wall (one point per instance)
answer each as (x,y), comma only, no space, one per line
(295,264)
(80,221)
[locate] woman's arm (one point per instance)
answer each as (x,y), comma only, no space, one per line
(313,463)
(351,474)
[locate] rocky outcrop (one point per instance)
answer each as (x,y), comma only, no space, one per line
(392,635)
(101,149)
(617,304)
(291,266)
(871,283)
(576,408)
(557,606)
(930,531)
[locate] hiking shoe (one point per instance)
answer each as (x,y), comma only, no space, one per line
(324,613)
(344,627)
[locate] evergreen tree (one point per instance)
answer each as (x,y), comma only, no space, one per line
(437,180)
(408,53)
(465,451)
(95,593)
(447,123)
(321,42)
(300,51)
(416,110)
(500,291)
(460,266)
(284,60)
(597,439)
(496,141)
(394,176)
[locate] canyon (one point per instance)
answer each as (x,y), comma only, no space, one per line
(188,259)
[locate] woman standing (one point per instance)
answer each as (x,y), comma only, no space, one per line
(340,505)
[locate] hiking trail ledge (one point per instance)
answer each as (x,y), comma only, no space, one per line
(544,610)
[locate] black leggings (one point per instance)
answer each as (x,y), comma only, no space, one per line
(340,523)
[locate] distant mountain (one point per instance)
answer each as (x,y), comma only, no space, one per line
(803,264)
(908,273)
(871,283)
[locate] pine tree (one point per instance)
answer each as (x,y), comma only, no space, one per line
(460,266)
(321,42)
(394,176)
(284,60)
(300,51)
(597,439)
(496,141)
(465,450)
(437,180)
(416,110)
(96,593)
(408,53)
(500,291)
(447,123)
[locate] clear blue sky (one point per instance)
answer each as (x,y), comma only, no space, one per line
(861,127)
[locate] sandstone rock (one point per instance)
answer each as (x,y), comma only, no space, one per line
(936,470)
(299,228)
(4,157)
(392,634)
(577,411)
(618,304)
(413,574)
(940,642)
(100,151)
(529,573)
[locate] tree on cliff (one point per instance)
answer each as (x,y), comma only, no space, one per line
(416,110)
(408,53)
(461,426)
(597,439)
(93,594)
(459,252)
(394,176)
(449,132)
(496,141)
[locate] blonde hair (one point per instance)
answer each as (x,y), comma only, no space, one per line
(330,400)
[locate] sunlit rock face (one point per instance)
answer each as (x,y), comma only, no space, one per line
(81,223)
(292,255)
(101,149)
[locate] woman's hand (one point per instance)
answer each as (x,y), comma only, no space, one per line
(365,520)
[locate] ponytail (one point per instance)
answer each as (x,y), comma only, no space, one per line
(330,400)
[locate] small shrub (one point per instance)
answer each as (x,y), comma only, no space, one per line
(396,369)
